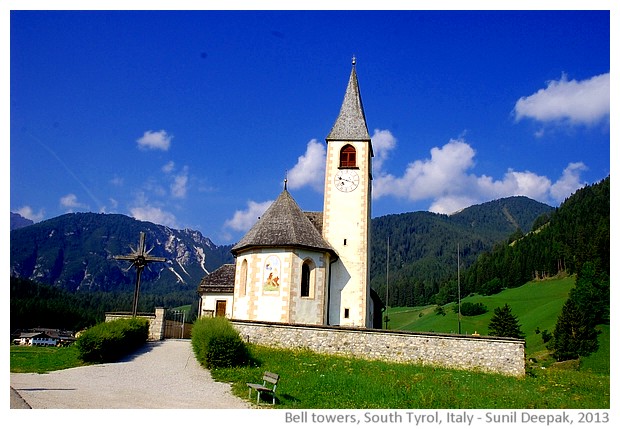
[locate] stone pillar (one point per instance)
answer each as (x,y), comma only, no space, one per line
(157,325)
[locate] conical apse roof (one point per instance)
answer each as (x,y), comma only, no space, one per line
(284,224)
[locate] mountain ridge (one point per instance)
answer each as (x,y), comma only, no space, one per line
(75,251)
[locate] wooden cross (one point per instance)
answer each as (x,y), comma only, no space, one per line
(139,258)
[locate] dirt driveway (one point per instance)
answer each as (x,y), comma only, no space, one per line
(163,374)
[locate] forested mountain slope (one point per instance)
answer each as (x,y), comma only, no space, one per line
(423,246)
(576,233)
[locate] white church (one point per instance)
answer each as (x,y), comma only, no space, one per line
(309,268)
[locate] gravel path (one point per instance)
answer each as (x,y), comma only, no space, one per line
(163,374)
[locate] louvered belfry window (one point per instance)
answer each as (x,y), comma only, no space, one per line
(347,157)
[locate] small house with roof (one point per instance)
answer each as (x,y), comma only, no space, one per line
(216,290)
(38,339)
(303,267)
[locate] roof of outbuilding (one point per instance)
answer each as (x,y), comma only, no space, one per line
(284,224)
(220,280)
(351,122)
(35,335)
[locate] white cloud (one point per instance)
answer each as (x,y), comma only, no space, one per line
(168,167)
(429,178)
(28,213)
(580,102)
(310,168)
(569,182)
(117,181)
(243,220)
(178,188)
(450,204)
(445,180)
(143,209)
(113,203)
(155,140)
(70,201)
(155,215)
(382,144)
(514,183)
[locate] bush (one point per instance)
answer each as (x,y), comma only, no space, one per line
(491,287)
(471,308)
(217,344)
(110,341)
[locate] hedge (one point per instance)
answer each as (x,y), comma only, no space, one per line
(110,341)
(217,344)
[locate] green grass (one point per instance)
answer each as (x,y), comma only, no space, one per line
(312,381)
(184,308)
(598,362)
(44,359)
(537,305)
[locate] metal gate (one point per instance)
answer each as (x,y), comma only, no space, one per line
(175,325)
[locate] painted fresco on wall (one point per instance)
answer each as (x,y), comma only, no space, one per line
(271,274)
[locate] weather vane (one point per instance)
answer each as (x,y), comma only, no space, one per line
(139,258)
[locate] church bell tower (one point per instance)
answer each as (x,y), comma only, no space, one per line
(346,211)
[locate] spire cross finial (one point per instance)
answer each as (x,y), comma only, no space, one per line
(353,60)
(285,179)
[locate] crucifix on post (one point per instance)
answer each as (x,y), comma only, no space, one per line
(139,258)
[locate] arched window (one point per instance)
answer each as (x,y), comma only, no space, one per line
(347,157)
(307,279)
(243,278)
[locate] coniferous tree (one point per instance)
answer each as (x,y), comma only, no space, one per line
(505,324)
(591,292)
(575,333)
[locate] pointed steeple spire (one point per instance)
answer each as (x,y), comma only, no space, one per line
(351,122)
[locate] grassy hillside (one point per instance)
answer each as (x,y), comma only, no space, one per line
(537,304)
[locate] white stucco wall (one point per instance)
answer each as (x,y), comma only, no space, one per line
(209,302)
(346,220)
(264,301)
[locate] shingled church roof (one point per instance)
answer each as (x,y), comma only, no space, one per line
(351,122)
(284,224)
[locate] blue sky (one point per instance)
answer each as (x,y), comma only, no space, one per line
(193,119)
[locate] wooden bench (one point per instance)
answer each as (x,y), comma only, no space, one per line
(270,382)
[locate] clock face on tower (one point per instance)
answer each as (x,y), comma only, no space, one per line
(346,180)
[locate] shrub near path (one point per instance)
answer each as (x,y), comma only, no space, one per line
(110,341)
(217,344)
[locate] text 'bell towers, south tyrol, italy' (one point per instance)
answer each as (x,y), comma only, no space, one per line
(347,211)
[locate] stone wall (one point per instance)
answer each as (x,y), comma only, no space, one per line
(156,321)
(477,353)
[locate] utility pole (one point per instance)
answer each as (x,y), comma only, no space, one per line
(387,283)
(458,279)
